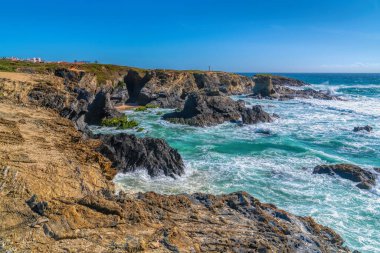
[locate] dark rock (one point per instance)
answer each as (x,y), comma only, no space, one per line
(47,96)
(203,110)
(69,75)
(101,108)
(37,207)
(364,178)
(363,128)
(263,131)
(282,88)
(377,170)
(129,153)
(169,89)
(263,86)
(255,115)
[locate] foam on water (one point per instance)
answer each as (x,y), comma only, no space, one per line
(277,168)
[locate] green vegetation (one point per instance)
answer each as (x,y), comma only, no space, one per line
(140,129)
(144,108)
(120,122)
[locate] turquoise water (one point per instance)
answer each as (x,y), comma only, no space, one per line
(278,168)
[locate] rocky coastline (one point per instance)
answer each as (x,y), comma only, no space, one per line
(56,187)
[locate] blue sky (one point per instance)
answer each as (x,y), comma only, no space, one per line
(239,35)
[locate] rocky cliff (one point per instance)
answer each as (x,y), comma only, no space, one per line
(57,194)
(170,88)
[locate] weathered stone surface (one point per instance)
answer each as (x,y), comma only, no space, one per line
(263,86)
(130,153)
(283,88)
(255,115)
(85,215)
(101,108)
(204,110)
(364,178)
(168,89)
(363,128)
(212,108)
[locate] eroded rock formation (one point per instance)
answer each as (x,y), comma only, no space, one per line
(364,178)
(129,153)
(278,87)
(208,109)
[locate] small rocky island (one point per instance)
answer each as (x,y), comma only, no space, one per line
(56,188)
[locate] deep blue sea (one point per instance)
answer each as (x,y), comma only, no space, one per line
(277,168)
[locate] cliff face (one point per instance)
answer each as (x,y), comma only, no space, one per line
(170,88)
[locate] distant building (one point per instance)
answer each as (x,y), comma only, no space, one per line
(35,60)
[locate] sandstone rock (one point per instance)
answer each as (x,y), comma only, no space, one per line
(364,178)
(263,86)
(363,128)
(129,153)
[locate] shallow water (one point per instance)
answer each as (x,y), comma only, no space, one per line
(277,168)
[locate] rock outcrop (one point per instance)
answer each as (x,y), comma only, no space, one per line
(208,109)
(278,87)
(255,115)
(364,178)
(363,128)
(168,89)
(57,195)
(129,153)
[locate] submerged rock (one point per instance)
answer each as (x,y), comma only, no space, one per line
(363,128)
(212,109)
(129,153)
(364,178)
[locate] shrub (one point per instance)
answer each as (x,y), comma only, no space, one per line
(120,122)
(141,109)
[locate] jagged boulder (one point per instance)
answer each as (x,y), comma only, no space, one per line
(255,115)
(284,88)
(100,108)
(204,110)
(212,108)
(363,128)
(263,86)
(129,153)
(364,178)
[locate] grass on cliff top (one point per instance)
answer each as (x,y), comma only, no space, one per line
(271,75)
(103,72)
(120,122)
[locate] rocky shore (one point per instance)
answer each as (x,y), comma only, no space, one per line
(56,189)
(283,88)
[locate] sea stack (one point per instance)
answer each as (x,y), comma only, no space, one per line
(263,86)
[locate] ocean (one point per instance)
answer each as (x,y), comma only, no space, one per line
(277,168)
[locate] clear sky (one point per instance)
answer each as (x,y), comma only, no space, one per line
(234,35)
